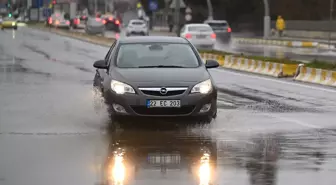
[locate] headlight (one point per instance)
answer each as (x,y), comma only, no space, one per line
(121,88)
(13,23)
(204,87)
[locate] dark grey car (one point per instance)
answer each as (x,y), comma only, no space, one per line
(156,77)
(95,26)
(221,28)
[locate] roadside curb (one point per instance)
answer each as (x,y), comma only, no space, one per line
(317,76)
(277,70)
(286,43)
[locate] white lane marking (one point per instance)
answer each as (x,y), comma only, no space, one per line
(276,80)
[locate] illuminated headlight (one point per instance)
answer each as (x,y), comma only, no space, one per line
(121,88)
(13,23)
(204,87)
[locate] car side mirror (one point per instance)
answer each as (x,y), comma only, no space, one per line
(100,64)
(211,64)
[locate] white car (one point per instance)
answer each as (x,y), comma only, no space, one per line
(58,20)
(200,35)
(137,27)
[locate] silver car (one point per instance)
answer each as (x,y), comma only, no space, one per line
(221,28)
(137,27)
(200,35)
(95,25)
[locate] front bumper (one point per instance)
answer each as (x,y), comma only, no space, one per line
(135,104)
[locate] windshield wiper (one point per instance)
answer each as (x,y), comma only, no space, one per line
(162,66)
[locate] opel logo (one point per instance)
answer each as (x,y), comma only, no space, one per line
(163,91)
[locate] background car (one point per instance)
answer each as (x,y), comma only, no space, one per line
(112,23)
(156,77)
(8,23)
(137,27)
(78,23)
(58,20)
(221,28)
(95,25)
(200,35)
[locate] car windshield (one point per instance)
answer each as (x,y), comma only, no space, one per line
(218,25)
(199,28)
(137,23)
(156,55)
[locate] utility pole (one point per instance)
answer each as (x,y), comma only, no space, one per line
(267,20)
(106,6)
(95,7)
(330,22)
(210,10)
(177,17)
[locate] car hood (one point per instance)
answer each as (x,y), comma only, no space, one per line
(161,76)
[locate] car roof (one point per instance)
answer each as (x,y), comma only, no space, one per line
(188,25)
(152,39)
(216,21)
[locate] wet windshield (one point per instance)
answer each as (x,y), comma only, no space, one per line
(218,25)
(156,54)
(199,28)
(137,23)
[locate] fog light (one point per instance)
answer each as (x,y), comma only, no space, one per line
(119,108)
(206,107)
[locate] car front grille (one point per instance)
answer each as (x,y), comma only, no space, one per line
(170,91)
(143,110)
(157,93)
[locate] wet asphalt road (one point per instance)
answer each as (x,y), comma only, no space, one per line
(268,131)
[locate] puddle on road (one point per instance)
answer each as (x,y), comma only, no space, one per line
(11,65)
(173,154)
(260,102)
(47,56)
(36,36)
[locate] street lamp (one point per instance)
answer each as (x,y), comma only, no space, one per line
(210,10)
(330,22)
(267,20)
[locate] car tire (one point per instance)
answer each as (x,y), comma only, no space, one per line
(15,28)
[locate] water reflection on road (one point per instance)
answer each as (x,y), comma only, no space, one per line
(189,155)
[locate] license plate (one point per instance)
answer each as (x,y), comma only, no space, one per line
(200,36)
(163,103)
(164,159)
